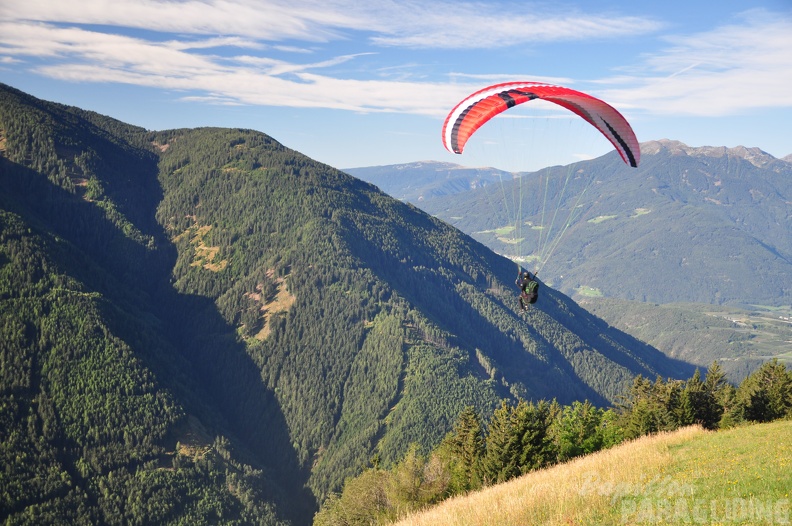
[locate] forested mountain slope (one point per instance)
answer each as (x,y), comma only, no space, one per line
(203,325)
(707,225)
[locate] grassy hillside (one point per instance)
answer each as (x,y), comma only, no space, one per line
(686,476)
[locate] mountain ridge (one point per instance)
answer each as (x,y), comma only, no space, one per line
(754,155)
(429,178)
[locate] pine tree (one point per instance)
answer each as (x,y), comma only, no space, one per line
(577,430)
(500,462)
(692,404)
(462,450)
(766,394)
(532,422)
(715,385)
(716,378)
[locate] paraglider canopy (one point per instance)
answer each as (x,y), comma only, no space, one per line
(478,108)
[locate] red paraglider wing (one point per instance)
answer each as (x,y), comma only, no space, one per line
(470,114)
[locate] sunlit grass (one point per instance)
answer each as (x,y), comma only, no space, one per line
(600,219)
(589,292)
(690,476)
(745,462)
(501,231)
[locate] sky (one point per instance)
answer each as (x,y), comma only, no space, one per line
(354,83)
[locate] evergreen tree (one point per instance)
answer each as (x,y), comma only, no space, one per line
(501,458)
(462,451)
(692,405)
(766,394)
(637,414)
(651,407)
(579,429)
(715,385)
(700,404)
(532,423)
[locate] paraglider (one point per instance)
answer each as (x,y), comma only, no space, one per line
(478,108)
(529,289)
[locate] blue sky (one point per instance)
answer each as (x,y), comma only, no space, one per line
(359,83)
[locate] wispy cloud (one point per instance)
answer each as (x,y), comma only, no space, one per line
(280,67)
(466,25)
(80,47)
(304,20)
(80,55)
(209,43)
(412,23)
(730,70)
(245,51)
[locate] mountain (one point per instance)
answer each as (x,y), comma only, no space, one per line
(201,325)
(415,182)
(708,225)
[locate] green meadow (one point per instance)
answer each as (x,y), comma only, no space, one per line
(741,475)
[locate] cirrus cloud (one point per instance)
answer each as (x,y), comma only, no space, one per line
(729,70)
(243,52)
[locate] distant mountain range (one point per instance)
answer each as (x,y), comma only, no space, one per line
(416,182)
(203,326)
(707,225)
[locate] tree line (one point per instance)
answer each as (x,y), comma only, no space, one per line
(523,436)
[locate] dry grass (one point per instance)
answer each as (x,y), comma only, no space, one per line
(161,147)
(204,255)
(282,302)
(587,490)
